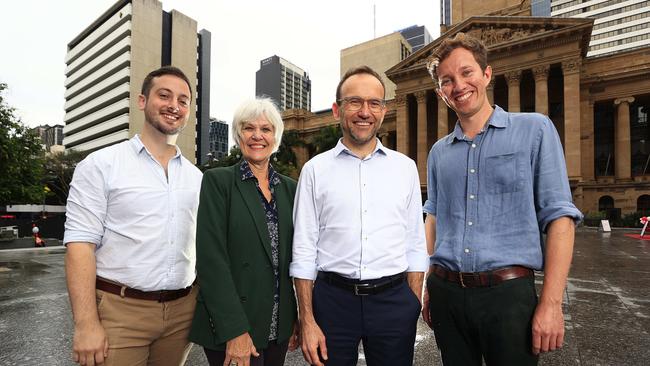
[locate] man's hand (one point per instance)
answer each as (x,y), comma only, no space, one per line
(90,345)
(294,340)
(239,350)
(426,315)
(312,341)
(548,327)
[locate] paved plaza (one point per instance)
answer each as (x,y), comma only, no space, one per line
(607,307)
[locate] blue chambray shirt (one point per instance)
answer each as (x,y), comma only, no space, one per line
(494,195)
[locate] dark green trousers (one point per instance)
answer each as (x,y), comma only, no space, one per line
(491,323)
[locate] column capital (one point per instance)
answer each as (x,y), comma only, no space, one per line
(540,73)
(420,96)
(400,99)
(627,100)
(571,66)
(513,77)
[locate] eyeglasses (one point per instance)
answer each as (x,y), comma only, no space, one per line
(356,103)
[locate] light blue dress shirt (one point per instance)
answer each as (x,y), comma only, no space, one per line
(358,217)
(142,222)
(495,195)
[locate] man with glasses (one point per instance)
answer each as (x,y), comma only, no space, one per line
(359,252)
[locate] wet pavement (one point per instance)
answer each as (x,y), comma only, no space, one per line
(607,307)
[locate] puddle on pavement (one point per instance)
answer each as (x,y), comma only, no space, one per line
(28,268)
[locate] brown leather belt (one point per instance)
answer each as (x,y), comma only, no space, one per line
(482,279)
(160,296)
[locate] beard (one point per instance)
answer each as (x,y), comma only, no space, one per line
(154,120)
(360,140)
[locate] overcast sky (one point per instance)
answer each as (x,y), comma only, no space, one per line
(310,34)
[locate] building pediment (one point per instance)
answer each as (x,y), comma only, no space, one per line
(503,36)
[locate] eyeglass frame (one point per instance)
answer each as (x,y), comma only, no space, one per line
(382,103)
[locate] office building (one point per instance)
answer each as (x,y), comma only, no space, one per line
(50,135)
(287,84)
(618,25)
(380,54)
(107,62)
(417,36)
(599,103)
(218,140)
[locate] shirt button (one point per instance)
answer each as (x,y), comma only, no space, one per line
(470,223)
(471,196)
(472,170)
(366,238)
(466,250)
(473,145)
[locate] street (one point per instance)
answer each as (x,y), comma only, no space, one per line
(607,307)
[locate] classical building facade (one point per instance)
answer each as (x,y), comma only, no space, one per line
(599,105)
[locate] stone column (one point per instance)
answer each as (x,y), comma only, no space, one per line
(490,89)
(571,74)
(422,141)
(442,119)
(587,139)
(623,147)
(402,124)
(513,78)
(540,73)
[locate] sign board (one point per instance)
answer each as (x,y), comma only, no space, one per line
(604,226)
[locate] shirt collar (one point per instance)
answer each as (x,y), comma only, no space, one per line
(247,173)
(138,147)
(498,119)
(341,148)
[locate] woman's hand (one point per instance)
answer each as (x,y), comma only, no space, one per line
(239,350)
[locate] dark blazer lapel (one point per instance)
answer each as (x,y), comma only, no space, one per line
(285,213)
(250,196)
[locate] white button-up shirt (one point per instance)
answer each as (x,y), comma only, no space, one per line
(360,218)
(142,222)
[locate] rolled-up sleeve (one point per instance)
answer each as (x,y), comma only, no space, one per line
(416,246)
(86,205)
(305,227)
(550,181)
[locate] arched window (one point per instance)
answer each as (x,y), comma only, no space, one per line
(605,203)
(643,203)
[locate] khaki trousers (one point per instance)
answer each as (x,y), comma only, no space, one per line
(145,332)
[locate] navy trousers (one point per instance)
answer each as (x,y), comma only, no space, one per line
(385,323)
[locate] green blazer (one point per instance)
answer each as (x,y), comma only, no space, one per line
(233,261)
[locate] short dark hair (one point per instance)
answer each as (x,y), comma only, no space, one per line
(355,71)
(147,84)
(460,40)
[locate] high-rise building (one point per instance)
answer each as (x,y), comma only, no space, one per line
(50,135)
(218,137)
(284,82)
(417,36)
(107,62)
(380,54)
(619,25)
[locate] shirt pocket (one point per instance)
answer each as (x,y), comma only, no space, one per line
(504,173)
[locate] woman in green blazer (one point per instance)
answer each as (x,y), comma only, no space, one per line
(246,308)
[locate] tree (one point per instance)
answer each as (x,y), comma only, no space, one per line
(326,139)
(21,159)
(59,169)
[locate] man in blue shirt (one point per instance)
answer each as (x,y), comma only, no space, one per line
(495,185)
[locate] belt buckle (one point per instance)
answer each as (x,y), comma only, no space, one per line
(360,285)
(461,276)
